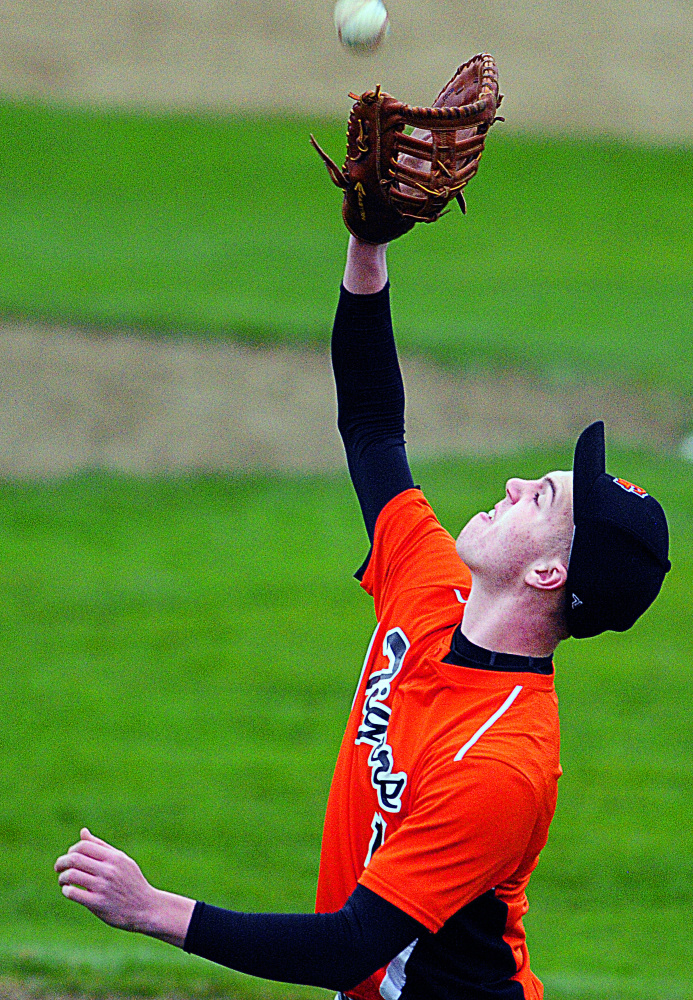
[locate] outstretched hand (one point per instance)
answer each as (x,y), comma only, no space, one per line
(110,884)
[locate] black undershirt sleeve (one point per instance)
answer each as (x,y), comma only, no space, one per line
(333,950)
(370,400)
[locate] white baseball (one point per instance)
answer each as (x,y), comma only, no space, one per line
(361,24)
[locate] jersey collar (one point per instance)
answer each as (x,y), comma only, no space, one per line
(464,653)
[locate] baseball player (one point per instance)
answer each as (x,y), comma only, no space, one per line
(446,779)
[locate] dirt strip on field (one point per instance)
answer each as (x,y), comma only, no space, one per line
(613,66)
(73,399)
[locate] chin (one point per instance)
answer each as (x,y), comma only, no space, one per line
(465,548)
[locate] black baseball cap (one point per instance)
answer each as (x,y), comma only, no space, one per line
(620,551)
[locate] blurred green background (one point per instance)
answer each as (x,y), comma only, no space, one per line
(574,256)
(180,657)
(179,654)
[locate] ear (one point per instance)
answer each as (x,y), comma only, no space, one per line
(550,575)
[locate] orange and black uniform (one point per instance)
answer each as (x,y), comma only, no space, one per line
(446,780)
(445,784)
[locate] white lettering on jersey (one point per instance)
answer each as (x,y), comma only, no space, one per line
(378,826)
(376,718)
(365,664)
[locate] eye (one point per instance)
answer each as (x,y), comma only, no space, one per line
(536,498)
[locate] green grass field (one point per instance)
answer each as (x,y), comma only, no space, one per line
(572,258)
(179,655)
(179,658)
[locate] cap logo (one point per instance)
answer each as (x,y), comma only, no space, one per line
(630,488)
(576,602)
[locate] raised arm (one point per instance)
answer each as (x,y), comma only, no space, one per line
(370,392)
(391,180)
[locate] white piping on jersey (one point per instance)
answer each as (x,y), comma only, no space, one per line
(396,976)
(458,595)
(365,663)
(489,722)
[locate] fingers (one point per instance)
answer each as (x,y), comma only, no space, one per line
(80,862)
(80,879)
(106,881)
(78,895)
(86,834)
(88,856)
(99,851)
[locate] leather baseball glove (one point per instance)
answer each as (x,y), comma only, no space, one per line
(392,180)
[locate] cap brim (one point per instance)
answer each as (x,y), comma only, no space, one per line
(588,465)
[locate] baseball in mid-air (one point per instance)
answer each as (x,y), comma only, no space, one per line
(361,24)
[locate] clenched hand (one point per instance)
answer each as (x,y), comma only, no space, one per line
(111,885)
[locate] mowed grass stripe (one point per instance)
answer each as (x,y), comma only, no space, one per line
(151,972)
(180,657)
(574,255)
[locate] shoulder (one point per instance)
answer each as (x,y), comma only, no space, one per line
(414,570)
(496,731)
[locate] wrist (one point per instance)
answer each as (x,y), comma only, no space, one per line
(168,917)
(366,267)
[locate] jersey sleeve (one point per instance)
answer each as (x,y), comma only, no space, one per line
(469,832)
(414,573)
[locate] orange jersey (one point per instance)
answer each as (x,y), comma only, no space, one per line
(446,779)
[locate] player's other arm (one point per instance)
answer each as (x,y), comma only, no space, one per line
(331,950)
(370,391)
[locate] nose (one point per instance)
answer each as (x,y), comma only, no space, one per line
(516,488)
(513,489)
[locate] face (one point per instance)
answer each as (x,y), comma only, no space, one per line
(526,531)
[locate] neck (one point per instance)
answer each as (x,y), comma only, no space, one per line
(508,622)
